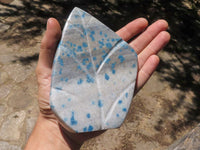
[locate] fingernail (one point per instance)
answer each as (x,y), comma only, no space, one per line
(48,23)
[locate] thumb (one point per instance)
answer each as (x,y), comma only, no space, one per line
(49,43)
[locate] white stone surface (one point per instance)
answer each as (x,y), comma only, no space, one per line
(93,77)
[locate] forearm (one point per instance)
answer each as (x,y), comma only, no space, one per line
(46,136)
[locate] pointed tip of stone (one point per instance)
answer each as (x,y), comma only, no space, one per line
(76,9)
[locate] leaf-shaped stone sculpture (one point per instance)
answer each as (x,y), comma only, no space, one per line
(93,76)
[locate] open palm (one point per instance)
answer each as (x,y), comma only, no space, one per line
(149,42)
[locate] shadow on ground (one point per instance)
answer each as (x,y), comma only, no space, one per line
(28,20)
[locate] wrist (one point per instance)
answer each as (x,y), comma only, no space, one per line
(47,135)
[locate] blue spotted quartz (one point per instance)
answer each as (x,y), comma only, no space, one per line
(93,77)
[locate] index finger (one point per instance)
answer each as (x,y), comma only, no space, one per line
(132,29)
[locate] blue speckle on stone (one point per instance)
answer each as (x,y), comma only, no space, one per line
(76,16)
(120,101)
(121,58)
(124,109)
(108,40)
(85,129)
(117,115)
(100,32)
(80,81)
(69,99)
(126,95)
(58,88)
(60,60)
(125,46)
(88,115)
(70,26)
(94,58)
(107,76)
(108,60)
(89,66)
(52,106)
(65,119)
(134,65)
(82,35)
(97,65)
(92,37)
(61,79)
(117,39)
(105,35)
(85,44)
(63,105)
(73,121)
(90,79)
(132,50)
(79,49)
(100,104)
(66,79)
(60,71)
(104,55)
(90,128)
(113,71)
(83,54)
(73,53)
(84,61)
(103,51)
(92,32)
(101,43)
(84,31)
(83,15)
(109,45)
(93,103)
(79,67)
(113,65)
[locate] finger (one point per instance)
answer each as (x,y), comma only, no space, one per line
(146,71)
(133,28)
(49,43)
(147,36)
(153,48)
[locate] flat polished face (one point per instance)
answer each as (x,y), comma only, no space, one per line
(93,76)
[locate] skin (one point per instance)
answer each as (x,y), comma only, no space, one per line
(48,134)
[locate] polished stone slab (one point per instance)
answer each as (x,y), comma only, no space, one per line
(93,77)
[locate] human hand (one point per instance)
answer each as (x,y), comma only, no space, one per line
(147,45)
